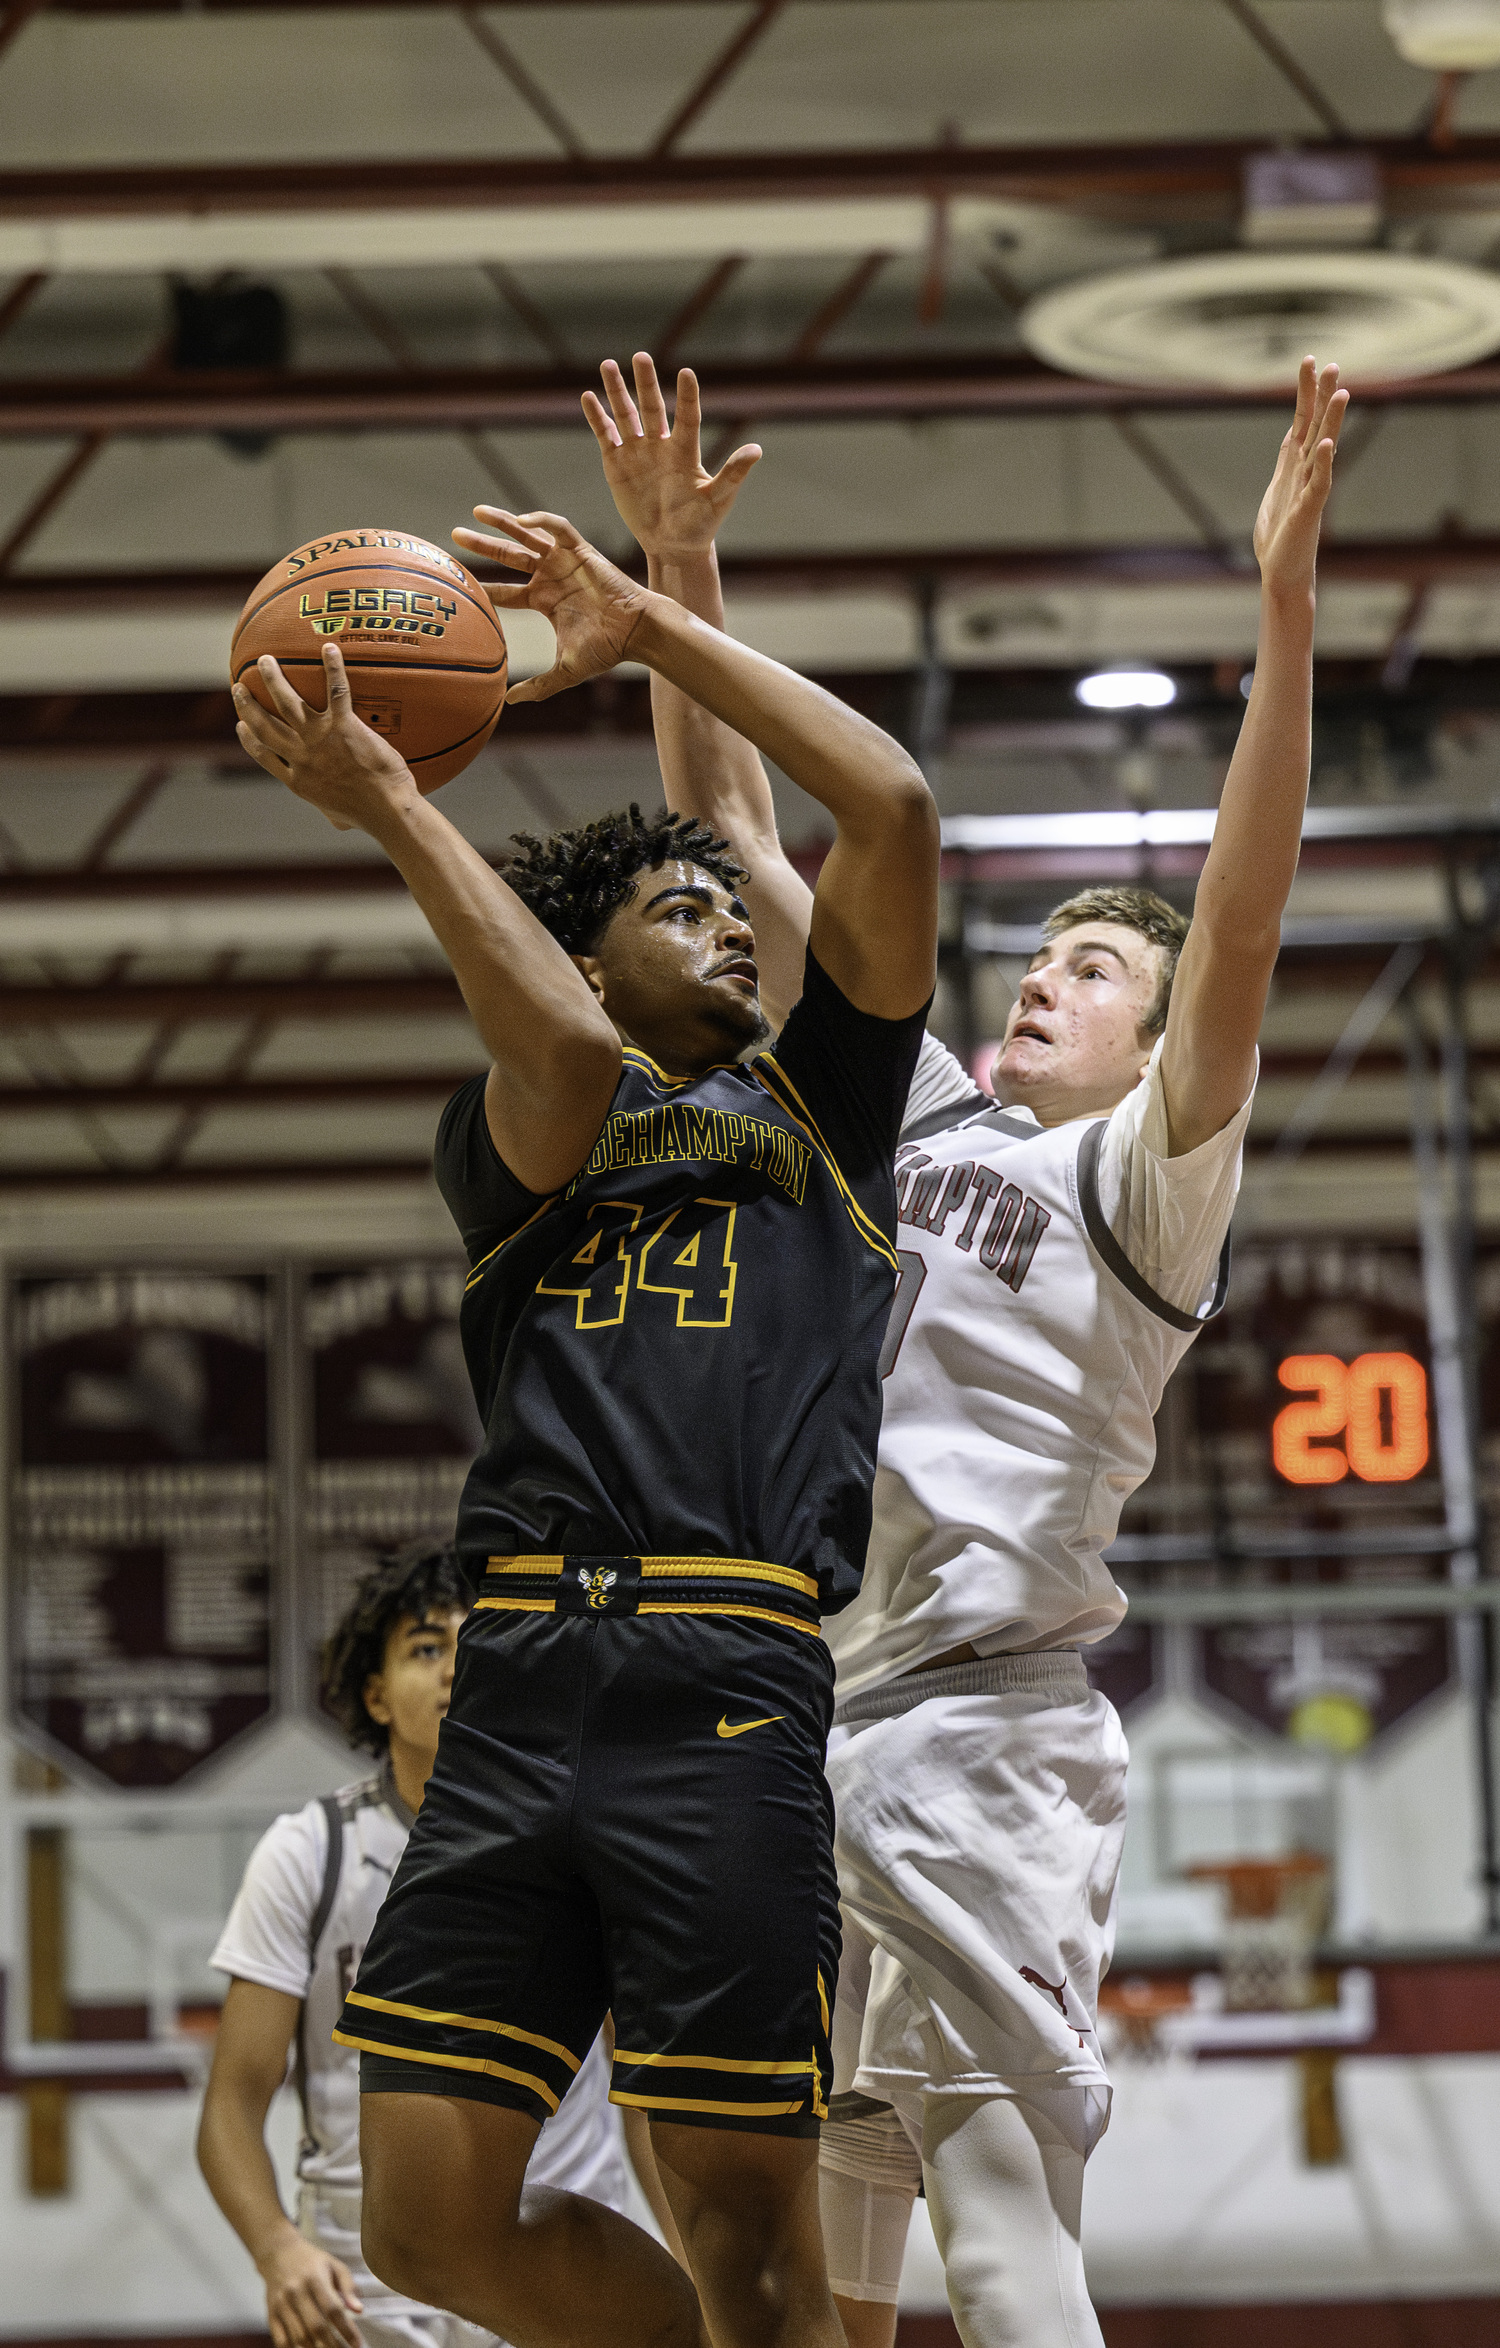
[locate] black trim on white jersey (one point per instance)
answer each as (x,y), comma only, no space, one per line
(975,1108)
(333,1864)
(1114,1256)
(338,1810)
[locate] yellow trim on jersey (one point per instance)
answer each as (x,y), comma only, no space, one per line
(823,2002)
(788,1622)
(520,1227)
(692,2103)
(448,2062)
(709,2063)
(869,1232)
(733,1568)
(816,1131)
(686,1568)
(389,2005)
(643,1060)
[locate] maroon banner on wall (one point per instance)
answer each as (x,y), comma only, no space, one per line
(393,1426)
(143,1533)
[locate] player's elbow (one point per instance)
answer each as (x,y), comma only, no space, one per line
(908,811)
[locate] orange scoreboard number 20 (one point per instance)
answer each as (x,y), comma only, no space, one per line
(1377,1403)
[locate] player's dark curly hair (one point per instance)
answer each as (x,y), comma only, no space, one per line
(575,882)
(414,1582)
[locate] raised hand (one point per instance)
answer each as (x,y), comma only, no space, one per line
(593,607)
(328,756)
(1286,528)
(655,471)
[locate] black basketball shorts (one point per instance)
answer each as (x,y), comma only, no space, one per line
(628,1815)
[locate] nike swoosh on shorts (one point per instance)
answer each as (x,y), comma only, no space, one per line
(738,1728)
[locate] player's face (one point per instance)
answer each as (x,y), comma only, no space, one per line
(410,1693)
(1076,1040)
(676,970)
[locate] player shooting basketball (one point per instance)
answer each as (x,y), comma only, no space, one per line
(1061,1248)
(682,1266)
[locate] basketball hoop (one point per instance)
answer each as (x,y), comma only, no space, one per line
(1275,1913)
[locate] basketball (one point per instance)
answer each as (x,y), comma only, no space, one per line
(421,641)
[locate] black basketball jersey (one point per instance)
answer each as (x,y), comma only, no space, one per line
(676,1355)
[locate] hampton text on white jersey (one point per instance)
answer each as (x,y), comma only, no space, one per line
(1051,1280)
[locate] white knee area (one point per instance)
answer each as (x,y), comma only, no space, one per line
(868,2175)
(1005,2191)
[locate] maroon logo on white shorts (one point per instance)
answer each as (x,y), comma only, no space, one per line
(1057,1989)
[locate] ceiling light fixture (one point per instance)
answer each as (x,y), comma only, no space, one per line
(1247,318)
(1445,36)
(1126,689)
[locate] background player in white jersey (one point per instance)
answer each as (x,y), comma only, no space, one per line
(1060,1251)
(292,1945)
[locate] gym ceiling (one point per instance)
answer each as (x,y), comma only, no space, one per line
(267,271)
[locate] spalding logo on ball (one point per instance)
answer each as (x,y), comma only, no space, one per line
(420,638)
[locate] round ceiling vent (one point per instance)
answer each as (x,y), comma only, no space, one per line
(1247,319)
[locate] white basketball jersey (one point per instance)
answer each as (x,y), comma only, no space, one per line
(1024,1361)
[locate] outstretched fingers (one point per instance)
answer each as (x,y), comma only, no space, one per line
(537,533)
(687,425)
(525,529)
(621,405)
(602,425)
(494,550)
(1333,420)
(655,422)
(732,474)
(1326,385)
(1307,392)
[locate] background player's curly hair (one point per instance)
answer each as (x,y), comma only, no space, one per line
(575,882)
(414,1582)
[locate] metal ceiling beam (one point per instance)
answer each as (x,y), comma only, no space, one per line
(477,399)
(252,1092)
(310,7)
(1196,172)
(89,1004)
(1291,68)
(339,1090)
(1404,562)
(202,1174)
(227,1172)
(720,70)
(72,1005)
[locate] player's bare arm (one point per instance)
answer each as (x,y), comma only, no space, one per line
(556,1055)
(1219,996)
(874,926)
(674,507)
(311,2301)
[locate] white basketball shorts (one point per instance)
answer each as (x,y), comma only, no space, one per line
(981,1812)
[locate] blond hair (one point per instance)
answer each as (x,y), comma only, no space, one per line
(1134,908)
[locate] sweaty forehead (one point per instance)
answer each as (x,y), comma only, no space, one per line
(1136,953)
(676,880)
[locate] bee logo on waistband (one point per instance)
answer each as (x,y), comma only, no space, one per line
(597,1584)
